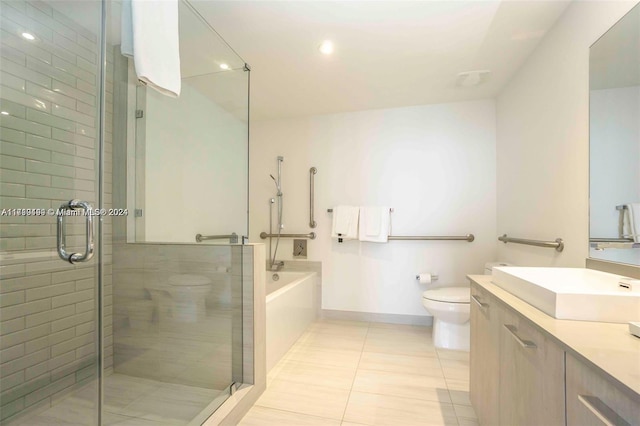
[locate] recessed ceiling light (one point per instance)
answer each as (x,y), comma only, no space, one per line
(28,36)
(4,113)
(224,66)
(326,47)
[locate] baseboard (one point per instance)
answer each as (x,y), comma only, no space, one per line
(377,317)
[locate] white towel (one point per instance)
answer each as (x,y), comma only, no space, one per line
(150,34)
(633,215)
(375,224)
(126,29)
(345,223)
(371,221)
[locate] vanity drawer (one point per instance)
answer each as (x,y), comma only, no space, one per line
(594,401)
(531,388)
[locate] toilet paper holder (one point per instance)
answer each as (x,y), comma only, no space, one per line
(434,277)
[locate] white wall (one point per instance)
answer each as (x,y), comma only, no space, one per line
(615,156)
(434,164)
(543,140)
(196,168)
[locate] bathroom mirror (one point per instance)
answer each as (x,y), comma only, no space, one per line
(614,142)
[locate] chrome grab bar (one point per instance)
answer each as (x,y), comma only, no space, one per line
(331,210)
(310,235)
(233,238)
(68,209)
(468,237)
(312,172)
(558,244)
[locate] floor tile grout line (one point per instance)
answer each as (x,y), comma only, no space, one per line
(447,384)
(407,397)
(449,390)
(295,412)
(355,373)
(437,355)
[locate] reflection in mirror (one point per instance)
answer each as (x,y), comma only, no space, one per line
(614,80)
(192,151)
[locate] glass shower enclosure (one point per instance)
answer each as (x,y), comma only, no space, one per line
(110,310)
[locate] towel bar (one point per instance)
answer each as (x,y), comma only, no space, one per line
(468,238)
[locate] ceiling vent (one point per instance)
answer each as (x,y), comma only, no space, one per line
(472,78)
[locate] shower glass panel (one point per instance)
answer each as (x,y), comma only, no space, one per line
(179,168)
(192,152)
(147,330)
(50,101)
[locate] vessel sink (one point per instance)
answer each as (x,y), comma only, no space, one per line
(573,293)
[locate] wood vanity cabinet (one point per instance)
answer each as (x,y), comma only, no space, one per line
(531,386)
(521,375)
(593,401)
(517,374)
(484,356)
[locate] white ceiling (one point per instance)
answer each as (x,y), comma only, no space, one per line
(387,53)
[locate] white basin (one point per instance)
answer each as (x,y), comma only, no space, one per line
(573,293)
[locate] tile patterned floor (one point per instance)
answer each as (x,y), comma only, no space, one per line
(338,373)
(354,373)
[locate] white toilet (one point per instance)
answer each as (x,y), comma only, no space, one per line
(188,293)
(182,299)
(451,307)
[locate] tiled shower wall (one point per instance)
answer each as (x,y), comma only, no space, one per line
(48,156)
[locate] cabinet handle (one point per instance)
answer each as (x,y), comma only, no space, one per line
(527,344)
(602,411)
(479,303)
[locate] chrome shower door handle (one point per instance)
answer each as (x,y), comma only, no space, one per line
(71,209)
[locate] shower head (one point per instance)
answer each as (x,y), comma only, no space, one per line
(276,182)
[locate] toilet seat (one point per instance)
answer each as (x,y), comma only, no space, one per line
(449,294)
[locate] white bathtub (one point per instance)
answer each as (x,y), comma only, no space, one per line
(292,304)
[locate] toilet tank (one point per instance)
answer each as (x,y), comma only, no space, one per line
(488,267)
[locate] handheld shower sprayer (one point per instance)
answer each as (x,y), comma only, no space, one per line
(278,183)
